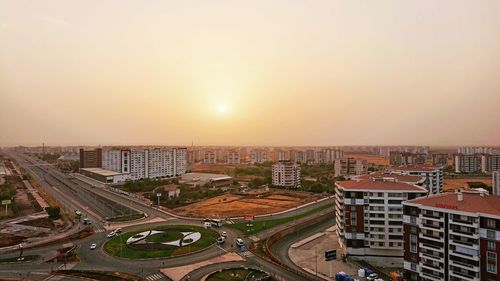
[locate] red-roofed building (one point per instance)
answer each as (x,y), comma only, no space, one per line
(370,218)
(452,236)
(432,175)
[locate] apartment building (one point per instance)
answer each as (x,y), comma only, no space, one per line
(478,150)
(141,163)
(350,167)
(91,158)
(490,163)
(208,156)
(467,163)
(282,155)
(232,157)
(286,174)
(433,175)
(258,156)
(440,159)
(496,183)
(369,218)
(400,158)
(452,236)
(298,156)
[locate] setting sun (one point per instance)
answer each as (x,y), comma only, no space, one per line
(222,108)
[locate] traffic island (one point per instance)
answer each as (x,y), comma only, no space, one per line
(161,242)
(237,274)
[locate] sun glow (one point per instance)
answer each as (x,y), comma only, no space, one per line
(221,108)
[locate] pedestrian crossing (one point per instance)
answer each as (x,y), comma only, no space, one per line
(154,277)
(99,230)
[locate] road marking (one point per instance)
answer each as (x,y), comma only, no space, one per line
(154,277)
(99,230)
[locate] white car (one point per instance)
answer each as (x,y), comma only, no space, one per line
(372,277)
(223,234)
(93,246)
(111,235)
(221,240)
(240,242)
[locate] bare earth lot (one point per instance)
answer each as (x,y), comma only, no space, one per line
(453,184)
(230,205)
(374,159)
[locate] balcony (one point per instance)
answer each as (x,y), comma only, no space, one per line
(431,247)
(464,244)
(463,276)
(430,256)
(353,201)
(464,233)
(464,265)
(431,237)
(425,225)
(464,223)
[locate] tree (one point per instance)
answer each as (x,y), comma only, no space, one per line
(54,212)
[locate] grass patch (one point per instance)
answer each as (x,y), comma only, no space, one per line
(117,246)
(126,218)
(258,226)
(236,274)
(164,237)
(14,259)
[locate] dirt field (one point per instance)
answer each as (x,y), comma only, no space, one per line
(374,159)
(225,206)
(453,184)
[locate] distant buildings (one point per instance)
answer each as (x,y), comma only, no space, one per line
(369,218)
(350,167)
(400,158)
(232,157)
(467,163)
(478,150)
(452,236)
(433,176)
(258,156)
(91,158)
(286,174)
(496,183)
(208,156)
(440,159)
(490,163)
(136,163)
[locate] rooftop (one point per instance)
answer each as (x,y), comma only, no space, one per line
(379,185)
(424,168)
(388,176)
(101,171)
(169,187)
(472,202)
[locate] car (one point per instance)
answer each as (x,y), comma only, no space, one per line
(93,246)
(207,225)
(372,277)
(111,235)
(223,234)
(118,230)
(240,242)
(221,240)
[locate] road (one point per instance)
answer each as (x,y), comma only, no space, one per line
(75,194)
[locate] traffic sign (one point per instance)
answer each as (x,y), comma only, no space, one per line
(330,255)
(6,202)
(249,218)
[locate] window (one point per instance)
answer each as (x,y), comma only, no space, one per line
(490,234)
(413,243)
(491,262)
(413,230)
(492,245)
(490,223)
(353,208)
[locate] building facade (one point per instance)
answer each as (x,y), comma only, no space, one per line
(490,163)
(452,236)
(258,156)
(401,158)
(433,176)
(350,167)
(440,159)
(233,157)
(370,218)
(91,158)
(286,174)
(496,183)
(467,163)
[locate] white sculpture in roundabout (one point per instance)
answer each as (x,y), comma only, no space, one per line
(188,238)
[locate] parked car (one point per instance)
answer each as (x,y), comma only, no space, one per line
(240,242)
(93,246)
(207,225)
(118,230)
(221,240)
(372,277)
(223,234)
(87,221)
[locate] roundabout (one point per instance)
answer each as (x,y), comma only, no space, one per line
(237,274)
(161,242)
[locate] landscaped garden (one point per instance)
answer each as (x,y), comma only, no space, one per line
(161,241)
(237,274)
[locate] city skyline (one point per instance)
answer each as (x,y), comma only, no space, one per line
(260,73)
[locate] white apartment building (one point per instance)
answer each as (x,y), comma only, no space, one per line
(208,156)
(282,155)
(467,163)
(232,157)
(258,156)
(286,174)
(369,218)
(433,176)
(496,183)
(478,150)
(298,156)
(146,163)
(452,237)
(490,163)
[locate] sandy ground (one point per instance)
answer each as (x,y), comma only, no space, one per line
(452,184)
(235,205)
(374,159)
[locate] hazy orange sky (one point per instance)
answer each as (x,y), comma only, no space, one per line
(249,72)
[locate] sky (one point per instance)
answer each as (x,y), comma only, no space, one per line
(250,72)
